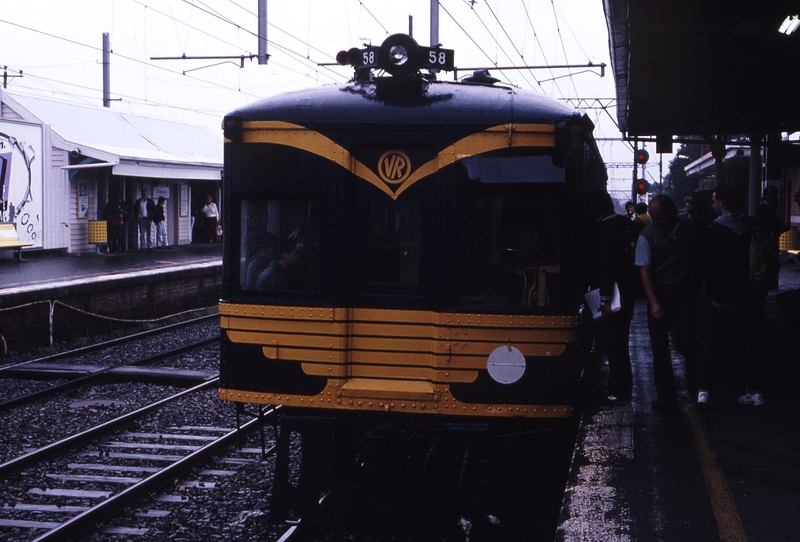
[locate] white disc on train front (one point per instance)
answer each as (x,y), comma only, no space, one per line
(506,364)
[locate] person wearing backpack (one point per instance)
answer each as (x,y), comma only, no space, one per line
(734,266)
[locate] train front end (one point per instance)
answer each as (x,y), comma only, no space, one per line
(399,245)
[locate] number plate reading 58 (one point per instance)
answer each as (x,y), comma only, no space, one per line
(442,59)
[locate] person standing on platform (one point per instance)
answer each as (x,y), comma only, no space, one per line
(211,214)
(666,254)
(144,209)
(159,218)
(116,212)
(771,225)
(734,251)
(688,208)
(613,242)
(642,219)
(630,210)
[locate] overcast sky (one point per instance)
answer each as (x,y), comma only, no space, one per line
(58,47)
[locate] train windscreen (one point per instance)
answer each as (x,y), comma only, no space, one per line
(510,251)
(511,230)
(394,239)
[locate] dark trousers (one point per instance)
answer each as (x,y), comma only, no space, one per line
(612,338)
(144,232)
(678,320)
(211,228)
(116,239)
(734,338)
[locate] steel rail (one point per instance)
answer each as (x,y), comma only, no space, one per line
(97,376)
(112,342)
(107,509)
(23,461)
(297,528)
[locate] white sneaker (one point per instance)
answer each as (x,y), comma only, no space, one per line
(755,399)
(702,398)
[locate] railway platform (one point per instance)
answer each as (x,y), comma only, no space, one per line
(730,473)
(49,296)
(40,268)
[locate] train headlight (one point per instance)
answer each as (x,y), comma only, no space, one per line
(399,55)
(506,364)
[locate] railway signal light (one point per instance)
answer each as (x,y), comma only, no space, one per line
(641,156)
(642,187)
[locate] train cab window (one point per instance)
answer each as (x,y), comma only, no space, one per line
(394,242)
(279,246)
(510,250)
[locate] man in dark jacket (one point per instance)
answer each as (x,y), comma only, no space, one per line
(734,292)
(144,209)
(613,239)
(116,213)
(771,225)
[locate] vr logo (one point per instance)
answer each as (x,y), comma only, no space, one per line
(394,167)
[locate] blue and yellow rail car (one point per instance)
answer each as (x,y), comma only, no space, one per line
(401,248)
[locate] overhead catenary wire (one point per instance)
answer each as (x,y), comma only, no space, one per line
(537,41)
(226,20)
(54,90)
(561,40)
(254,34)
(132,99)
(205,13)
(205,82)
(115,54)
(373,16)
(511,41)
(487,55)
(278,28)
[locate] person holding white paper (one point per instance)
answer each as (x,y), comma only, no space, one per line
(615,278)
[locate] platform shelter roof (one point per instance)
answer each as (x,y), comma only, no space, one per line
(133,145)
(709,67)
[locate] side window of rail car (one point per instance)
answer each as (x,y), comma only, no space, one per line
(279,248)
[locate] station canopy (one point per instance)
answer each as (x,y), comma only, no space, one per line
(131,145)
(705,67)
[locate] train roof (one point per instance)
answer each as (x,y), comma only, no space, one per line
(432,103)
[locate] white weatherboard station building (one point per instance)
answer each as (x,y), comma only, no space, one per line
(60,163)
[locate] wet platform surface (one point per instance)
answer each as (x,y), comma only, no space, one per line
(40,268)
(730,473)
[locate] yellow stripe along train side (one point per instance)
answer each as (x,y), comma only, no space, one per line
(393,360)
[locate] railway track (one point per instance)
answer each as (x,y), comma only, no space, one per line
(68,488)
(70,371)
(83,350)
(99,375)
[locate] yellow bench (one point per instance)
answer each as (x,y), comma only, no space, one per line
(9,239)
